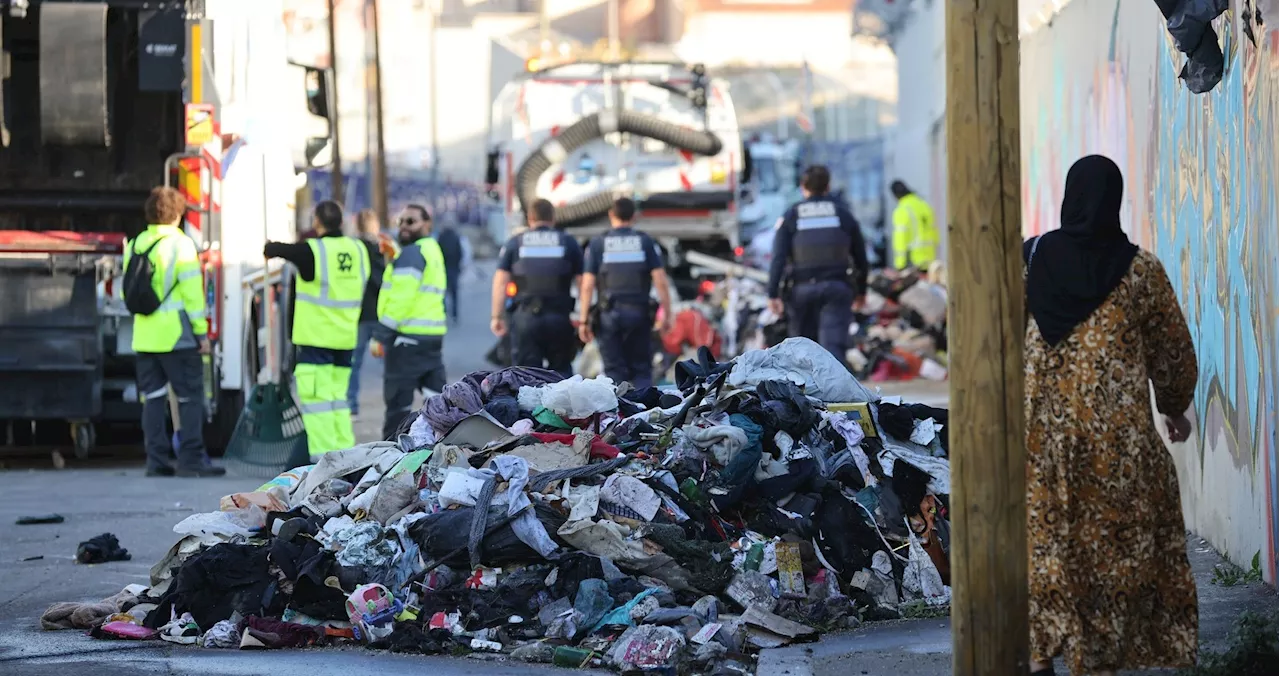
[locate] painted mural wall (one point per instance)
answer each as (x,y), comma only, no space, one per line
(1201,176)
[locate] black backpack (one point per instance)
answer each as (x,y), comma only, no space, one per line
(139,296)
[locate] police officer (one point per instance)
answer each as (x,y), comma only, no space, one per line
(624,264)
(544,263)
(821,241)
(170,340)
(411,318)
(334,272)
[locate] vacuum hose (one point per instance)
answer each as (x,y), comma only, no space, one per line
(586,130)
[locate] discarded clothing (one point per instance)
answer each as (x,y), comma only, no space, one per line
(101,549)
(631,492)
(217,582)
(723,441)
(262,632)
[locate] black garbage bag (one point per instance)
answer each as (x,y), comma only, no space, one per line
(1189,24)
(441,534)
(790,409)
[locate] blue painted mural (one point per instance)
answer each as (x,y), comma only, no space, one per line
(1201,184)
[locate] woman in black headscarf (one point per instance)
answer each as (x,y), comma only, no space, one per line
(1110,584)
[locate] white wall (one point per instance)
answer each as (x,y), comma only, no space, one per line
(746,38)
(917,149)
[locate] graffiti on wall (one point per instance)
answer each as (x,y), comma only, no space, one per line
(1201,193)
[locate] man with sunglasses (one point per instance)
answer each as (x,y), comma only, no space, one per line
(411,318)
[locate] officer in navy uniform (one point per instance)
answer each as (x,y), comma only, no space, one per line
(624,264)
(544,263)
(823,244)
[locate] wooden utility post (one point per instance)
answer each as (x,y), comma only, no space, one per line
(335,116)
(988,453)
(379,172)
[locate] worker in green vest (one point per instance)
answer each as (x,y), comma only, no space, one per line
(164,290)
(411,318)
(333,271)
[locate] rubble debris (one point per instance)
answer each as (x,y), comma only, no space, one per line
(767,500)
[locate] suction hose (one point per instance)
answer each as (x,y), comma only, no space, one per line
(586,130)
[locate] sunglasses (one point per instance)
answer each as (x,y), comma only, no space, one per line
(409,220)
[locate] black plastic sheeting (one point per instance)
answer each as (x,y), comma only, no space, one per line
(1189,24)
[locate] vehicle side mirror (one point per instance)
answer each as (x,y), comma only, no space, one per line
(491,176)
(317,83)
(319,152)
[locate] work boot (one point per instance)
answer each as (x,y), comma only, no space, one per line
(202,472)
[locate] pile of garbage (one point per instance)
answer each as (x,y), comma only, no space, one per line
(522,516)
(900,333)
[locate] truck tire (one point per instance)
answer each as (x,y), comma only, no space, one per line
(588,129)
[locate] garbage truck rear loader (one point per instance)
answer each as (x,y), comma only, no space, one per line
(102,101)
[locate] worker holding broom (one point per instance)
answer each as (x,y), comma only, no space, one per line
(333,271)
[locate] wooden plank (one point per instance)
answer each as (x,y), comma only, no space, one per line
(988,457)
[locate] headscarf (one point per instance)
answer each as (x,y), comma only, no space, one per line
(1073,270)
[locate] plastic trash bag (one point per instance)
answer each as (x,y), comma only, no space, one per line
(578,398)
(804,363)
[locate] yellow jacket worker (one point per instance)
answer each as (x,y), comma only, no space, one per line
(333,271)
(164,289)
(915,237)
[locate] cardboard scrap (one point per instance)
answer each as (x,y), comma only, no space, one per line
(777,624)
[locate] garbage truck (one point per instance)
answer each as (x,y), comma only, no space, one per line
(101,102)
(583,133)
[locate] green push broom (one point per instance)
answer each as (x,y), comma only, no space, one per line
(269,437)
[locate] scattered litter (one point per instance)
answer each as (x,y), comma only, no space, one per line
(101,549)
(42,519)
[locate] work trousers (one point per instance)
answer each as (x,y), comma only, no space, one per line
(322,376)
(822,311)
(452,278)
(412,363)
(182,370)
(544,340)
(363,335)
(626,345)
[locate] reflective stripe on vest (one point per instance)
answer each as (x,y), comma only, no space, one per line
(325,296)
(426,316)
(623,271)
(328,307)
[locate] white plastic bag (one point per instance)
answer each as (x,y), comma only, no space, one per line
(578,398)
(222,525)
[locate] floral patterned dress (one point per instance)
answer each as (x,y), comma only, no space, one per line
(1110,584)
